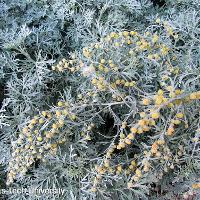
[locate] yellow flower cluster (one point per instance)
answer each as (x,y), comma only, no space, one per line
(106,71)
(195,95)
(111,67)
(107,66)
(99,83)
(147,121)
(66,65)
(39,139)
(87,131)
(196,185)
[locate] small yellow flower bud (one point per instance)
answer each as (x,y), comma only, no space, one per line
(39,139)
(155,115)
(146,102)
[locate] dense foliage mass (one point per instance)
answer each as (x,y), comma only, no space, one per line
(100,98)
